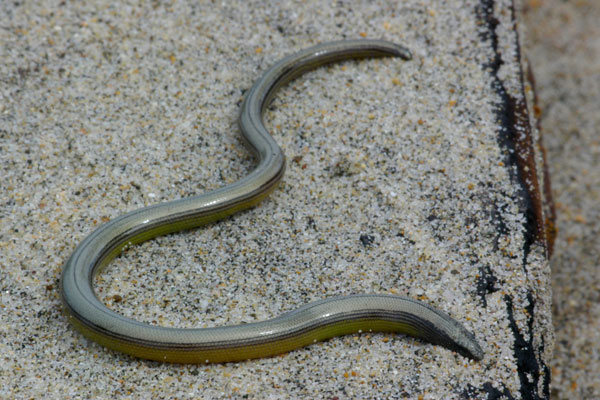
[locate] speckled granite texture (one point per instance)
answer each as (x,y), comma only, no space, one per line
(420,178)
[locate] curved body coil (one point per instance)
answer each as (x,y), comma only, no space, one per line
(308,324)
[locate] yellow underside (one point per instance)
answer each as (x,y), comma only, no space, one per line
(195,356)
(183,225)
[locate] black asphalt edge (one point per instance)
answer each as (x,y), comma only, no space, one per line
(513,118)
